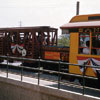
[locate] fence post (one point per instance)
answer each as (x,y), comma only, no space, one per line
(39,71)
(7,66)
(83,79)
(59,69)
(22,70)
(21,73)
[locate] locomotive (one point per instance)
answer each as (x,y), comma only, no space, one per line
(42,41)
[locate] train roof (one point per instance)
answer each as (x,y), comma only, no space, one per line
(81,25)
(28,28)
(85,18)
(83,21)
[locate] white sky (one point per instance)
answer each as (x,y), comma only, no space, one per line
(43,12)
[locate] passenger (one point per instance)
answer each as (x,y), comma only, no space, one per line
(96,46)
(44,42)
(98,51)
(86,50)
(47,41)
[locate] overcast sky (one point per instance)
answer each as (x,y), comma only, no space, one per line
(43,12)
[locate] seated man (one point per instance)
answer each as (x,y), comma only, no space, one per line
(86,50)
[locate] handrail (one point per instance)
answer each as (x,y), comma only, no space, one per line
(42,60)
(59,73)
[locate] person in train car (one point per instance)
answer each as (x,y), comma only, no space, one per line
(96,44)
(86,50)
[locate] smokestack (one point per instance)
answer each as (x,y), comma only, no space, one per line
(77,8)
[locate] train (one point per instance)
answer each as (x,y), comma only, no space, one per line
(42,41)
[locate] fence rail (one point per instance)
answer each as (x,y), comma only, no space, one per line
(59,73)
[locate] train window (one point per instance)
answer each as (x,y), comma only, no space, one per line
(84,43)
(95,44)
(2,34)
(29,35)
(64,40)
(14,37)
(65,31)
(9,37)
(21,37)
(94,18)
(26,35)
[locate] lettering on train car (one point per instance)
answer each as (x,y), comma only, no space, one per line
(89,29)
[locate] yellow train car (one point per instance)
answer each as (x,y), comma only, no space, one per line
(84,31)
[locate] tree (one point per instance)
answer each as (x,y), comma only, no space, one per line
(64,40)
